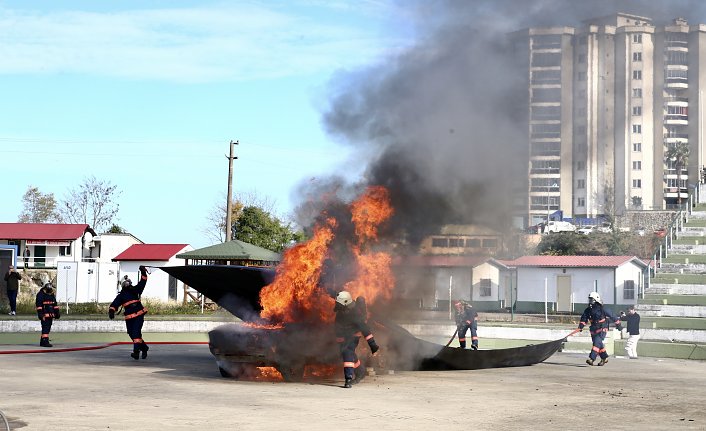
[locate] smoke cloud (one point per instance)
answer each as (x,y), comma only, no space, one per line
(442,125)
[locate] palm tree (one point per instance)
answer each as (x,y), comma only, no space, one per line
(679,155)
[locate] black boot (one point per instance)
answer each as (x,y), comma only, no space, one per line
(348,383)
(135,352)
(44,342)
(144,347)
(359,374)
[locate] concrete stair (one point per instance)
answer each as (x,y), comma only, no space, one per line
(673,312)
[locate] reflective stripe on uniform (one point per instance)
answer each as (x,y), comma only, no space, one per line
(131,302)
(369,337)
(352,364)
(136,314)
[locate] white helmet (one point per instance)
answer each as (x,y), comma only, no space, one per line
(344,298)
(594,297)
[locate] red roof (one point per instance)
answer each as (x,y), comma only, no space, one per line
(439,260)
(574,261)
(150,252)
(42,231)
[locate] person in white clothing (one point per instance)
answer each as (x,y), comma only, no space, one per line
(633,327)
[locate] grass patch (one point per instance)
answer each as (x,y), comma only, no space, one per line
(155,307)
(683,258)
(695,222)
(667,278)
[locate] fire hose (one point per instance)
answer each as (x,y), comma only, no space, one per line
(101,346)
(456,332)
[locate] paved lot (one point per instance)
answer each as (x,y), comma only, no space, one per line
(179,388)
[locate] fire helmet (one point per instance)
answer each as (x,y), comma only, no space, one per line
(594,297)
(344,298)
(48,286)
(126,283)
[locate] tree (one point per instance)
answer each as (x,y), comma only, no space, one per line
(678,155)
(93,203)
(216,219)
(258,227)
(38,207)
(116,229)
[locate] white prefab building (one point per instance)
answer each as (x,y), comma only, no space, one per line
(562,283)
(160,285)
(108,245)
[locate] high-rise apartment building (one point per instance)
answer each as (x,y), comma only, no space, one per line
(606,102)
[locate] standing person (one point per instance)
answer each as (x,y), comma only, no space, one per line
(12,279)
(466,318)
(47,311)
(600,318)
(129,299)
(349,325)
(633,325)
(26,254)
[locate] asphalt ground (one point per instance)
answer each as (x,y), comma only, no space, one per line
(178,387)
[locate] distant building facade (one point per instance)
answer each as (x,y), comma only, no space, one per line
(605,103)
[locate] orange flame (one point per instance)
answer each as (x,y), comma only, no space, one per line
(369,211)
(374,279)
(294,294)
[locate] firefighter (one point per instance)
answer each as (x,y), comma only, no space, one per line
(466,318)
(600,318)
(350,325)
(129,300)
(47,311)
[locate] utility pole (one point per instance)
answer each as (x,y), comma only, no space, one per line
(229,204)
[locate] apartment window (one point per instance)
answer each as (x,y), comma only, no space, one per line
(637,165)
(490,243)
(581,202)
(485,287)
(582,58)
(580,184)
(637,93)
(629,289)
(439,242)
(581,130)
(64,250)
(582,111)
(637,184)
(636,38)
(473,243)
(636,56)
(580,165)
(637,147)
(583,40)
(637,74)
(455,242)
(637,128)
(582,76)
(637,110)
(582,94)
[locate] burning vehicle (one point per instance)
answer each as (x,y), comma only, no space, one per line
(287,312)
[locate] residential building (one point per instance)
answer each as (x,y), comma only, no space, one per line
(48,243)
(607,100)
(161,286)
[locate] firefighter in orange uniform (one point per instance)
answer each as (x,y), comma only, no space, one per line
(349,325)
(129,300)
(466,318)
(47,311)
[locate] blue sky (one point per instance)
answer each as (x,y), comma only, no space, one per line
(147,95)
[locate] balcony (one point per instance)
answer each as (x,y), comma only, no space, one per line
(676,120)
(677,101)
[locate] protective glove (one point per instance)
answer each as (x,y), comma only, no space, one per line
(57,315)
(619,327)
(580,328)
(374,346)
(111,314)
(143,270)
(39,316)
